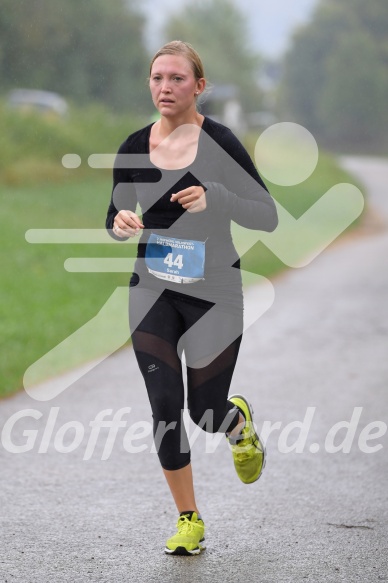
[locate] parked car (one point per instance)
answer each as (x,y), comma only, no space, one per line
(45,102)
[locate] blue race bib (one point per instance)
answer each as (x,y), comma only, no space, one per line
(177,260)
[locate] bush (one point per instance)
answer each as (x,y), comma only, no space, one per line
(32,145)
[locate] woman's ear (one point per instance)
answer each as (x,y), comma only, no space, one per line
(201,84)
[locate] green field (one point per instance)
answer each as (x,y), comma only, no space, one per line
(42,304)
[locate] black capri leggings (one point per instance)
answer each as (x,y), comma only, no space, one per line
(162,327)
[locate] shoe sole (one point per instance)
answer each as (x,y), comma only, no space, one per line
(257,436)
(183,552)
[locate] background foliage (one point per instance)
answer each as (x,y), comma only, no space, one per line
(85,50)
(335,78)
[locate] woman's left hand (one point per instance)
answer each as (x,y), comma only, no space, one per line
(193,199)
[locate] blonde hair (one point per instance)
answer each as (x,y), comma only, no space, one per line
(179,47)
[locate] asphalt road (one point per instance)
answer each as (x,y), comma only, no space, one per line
(318,356)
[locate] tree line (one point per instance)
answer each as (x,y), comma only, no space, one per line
(94,50)
(84,50)
(335,79)
(335,76)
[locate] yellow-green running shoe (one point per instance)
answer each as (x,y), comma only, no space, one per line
(190,536)
(248,451)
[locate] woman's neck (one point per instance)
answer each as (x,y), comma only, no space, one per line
(168,124)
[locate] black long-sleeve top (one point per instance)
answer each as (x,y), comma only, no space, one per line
(234,192)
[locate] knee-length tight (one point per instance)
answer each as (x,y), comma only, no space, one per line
(162,327)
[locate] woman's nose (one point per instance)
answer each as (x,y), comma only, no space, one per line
(166,87)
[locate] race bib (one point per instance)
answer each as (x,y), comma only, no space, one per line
(177,260)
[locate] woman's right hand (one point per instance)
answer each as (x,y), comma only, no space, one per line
(127,224)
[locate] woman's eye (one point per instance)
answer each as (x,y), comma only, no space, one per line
(178,78)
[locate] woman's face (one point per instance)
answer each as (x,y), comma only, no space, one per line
(173,85)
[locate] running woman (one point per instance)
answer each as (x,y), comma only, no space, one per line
(191,177)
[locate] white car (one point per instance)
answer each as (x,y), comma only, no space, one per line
(36,100)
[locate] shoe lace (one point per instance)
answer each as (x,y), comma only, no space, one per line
(242,450)
(184,525)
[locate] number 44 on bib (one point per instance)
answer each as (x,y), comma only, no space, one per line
(177,260)
(170,261)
